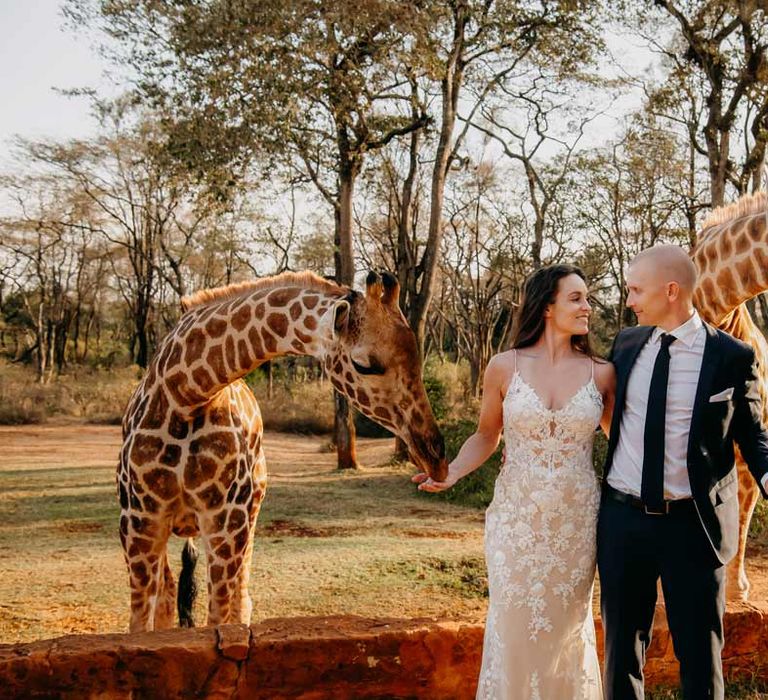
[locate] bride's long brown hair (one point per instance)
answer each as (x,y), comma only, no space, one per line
(539,291)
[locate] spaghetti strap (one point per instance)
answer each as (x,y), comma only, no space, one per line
(514,372)
(592,363)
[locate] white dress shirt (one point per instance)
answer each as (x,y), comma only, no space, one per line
(685,356)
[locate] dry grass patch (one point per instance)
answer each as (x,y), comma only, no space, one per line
(96,396)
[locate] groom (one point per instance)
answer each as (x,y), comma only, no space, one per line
(685,392)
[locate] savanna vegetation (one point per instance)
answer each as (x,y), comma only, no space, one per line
(460,144)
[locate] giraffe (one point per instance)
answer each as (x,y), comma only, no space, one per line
(731,254)
(192,462)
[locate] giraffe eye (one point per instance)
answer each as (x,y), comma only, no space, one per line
(373,368)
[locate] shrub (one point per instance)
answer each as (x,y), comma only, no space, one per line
(447,386)
(97,396)
(300,407)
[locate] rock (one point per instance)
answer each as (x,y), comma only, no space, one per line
(234,641)
(313,658)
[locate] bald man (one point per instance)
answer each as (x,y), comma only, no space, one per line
(685,392)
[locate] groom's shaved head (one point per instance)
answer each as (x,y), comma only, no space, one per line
(669,263)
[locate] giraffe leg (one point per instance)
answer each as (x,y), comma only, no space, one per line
(225,550)
(242,603)
(165,609)
(737,584)
(145,553)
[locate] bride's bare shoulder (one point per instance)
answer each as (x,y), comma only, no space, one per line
(506,356)
(500,369)
(503,362)
(605,375)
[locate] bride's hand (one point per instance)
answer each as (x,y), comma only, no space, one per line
(428,484)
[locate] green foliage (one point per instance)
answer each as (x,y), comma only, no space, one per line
(437,393)
(599,452)
(758,527)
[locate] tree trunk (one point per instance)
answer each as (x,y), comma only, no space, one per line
(142,354)
(406,263)
(343,424)
(344,432)
(718,143)
(450,87)
(42,352)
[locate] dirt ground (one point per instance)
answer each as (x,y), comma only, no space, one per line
(327,542)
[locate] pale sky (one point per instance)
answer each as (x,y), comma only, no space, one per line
(38,54)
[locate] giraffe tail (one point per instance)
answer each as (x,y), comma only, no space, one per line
(187,586)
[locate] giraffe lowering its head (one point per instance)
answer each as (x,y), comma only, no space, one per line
(731,255)
(192,462)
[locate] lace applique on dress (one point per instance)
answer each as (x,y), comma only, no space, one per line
(540,546)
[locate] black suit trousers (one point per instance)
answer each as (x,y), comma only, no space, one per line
(634,550)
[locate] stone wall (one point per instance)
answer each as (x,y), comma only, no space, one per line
(317,658)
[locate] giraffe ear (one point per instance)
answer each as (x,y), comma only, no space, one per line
(341,312)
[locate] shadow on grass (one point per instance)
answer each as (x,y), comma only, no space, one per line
(465,577)
(96,512)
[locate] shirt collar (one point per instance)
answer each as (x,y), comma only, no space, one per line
(685,333)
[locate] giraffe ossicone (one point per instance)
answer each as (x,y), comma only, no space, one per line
(192,462)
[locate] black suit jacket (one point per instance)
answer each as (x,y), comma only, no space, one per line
(715,426)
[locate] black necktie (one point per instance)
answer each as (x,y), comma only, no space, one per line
(652,490)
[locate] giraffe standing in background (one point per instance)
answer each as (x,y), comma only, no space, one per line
(192,461)
(731,255)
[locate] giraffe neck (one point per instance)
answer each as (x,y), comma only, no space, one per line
(739,324)
(221,341)
(732,259)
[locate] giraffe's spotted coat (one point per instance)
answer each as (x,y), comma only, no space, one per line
(192,462)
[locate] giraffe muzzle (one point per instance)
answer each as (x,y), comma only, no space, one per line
(429,455)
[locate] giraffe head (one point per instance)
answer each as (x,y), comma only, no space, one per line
(373,359)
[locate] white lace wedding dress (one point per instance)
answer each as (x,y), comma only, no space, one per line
(540,551)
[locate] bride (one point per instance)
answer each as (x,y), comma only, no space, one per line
(548,394)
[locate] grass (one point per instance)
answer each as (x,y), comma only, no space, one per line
(739,690)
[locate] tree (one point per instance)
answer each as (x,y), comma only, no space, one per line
(717,64)
(51,251)
(476,44)
(538,124)
(312,83)
(478,269)
(627,197)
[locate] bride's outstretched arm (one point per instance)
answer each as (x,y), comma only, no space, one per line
(484,441)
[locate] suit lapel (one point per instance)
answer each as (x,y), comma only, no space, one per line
(709,363)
